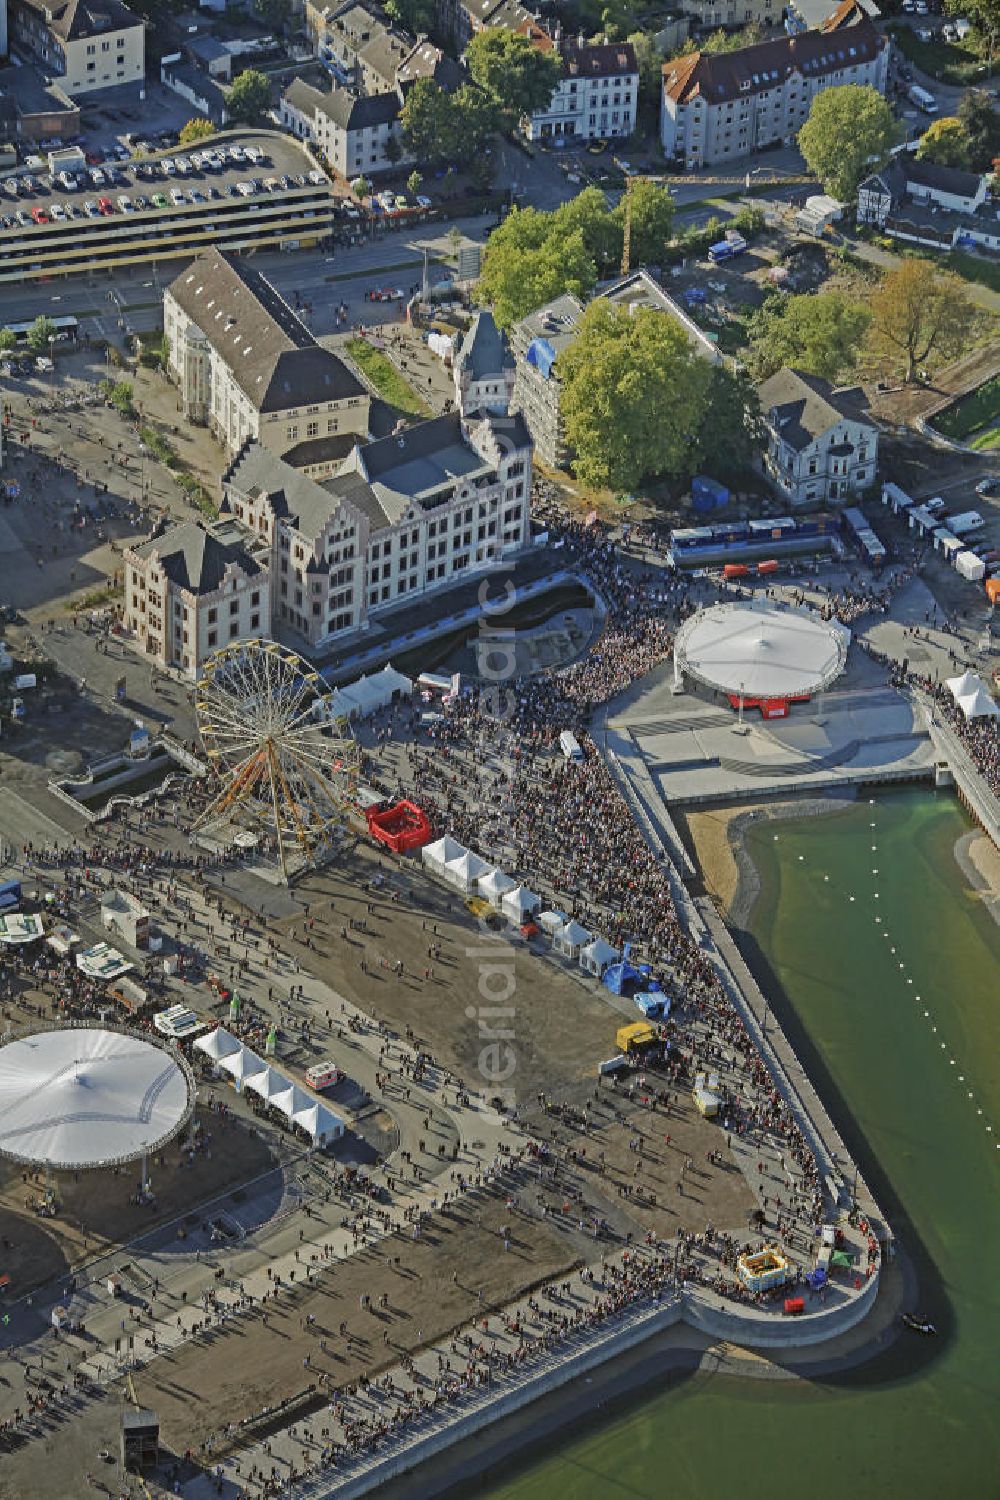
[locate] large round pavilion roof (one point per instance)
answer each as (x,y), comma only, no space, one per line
(89,1097)
(759,651)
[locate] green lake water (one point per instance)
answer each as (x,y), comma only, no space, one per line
(921,1420)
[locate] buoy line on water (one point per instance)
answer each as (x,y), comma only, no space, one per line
(917,999)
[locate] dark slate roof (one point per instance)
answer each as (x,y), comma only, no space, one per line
(484,350)
(928,174)
(352,112)
(304,502)
(420,441)
(721,76)
(428,61)
(598,60)
(805,406)
(274,358)
(384,53)
(303,97)
(76,19)
(194,559)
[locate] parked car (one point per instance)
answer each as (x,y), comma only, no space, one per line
(989,486)
(105,206)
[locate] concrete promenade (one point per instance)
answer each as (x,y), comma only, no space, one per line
(982,803)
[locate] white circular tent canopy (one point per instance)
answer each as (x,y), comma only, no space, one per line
(87,1097)
(753,651)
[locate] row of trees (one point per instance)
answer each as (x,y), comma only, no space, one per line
(534,256)
(969,139)
(509,78)
(915,312)
(40,333)
(639,402)
(851,131)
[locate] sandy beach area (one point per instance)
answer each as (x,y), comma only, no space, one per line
(979,860)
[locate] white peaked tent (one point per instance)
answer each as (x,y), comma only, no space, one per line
(569,939)
(218,1044)
(319,1123)
(520,904)
(291,1101)
(464,871)
(964,686)
(494,885)
(550,921)
(268,1084)
(435,856)
(242,1065)
(978,705)
(597,955)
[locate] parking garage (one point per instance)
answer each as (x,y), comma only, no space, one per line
(238,190)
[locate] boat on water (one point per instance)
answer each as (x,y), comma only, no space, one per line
(919,1325)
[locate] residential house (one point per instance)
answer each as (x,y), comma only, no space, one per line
(710,15)
(360,135)
(539,339)
(86,45)
(821,444)
(247,366)
(191,590)
(718,107)
(597,97)
(926,204)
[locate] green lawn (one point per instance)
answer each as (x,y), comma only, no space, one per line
(951,62)
(974,417)
(386,379)
(974,268)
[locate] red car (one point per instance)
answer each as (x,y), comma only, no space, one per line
(105,206)
(39,215)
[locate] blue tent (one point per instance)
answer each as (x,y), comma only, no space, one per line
(619,975)
(655,1005)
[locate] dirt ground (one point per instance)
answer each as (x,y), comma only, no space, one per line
(241,1371)
(95,1213)
(706,834)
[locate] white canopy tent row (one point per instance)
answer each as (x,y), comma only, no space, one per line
(978,705)
(570,940)
(550,921)
(441,853)
(961,687)
(494,885)
(361,699)
(464,871)
(249,1071)
(520,905)
(596,956)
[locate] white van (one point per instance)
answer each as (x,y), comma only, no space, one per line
(570,746)
(323,1075)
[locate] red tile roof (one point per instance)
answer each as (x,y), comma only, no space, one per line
(718,77)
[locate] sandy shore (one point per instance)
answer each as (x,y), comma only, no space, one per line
(716,839)
(979,860)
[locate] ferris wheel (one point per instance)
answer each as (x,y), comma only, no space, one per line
(287,764)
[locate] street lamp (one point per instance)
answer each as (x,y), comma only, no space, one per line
(52,367)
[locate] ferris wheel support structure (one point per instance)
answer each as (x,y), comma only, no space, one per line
(287,765)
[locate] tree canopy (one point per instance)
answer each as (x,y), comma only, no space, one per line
(731,430)
(523,254)
(513,73)
(652,221)
(980,120)
(248,97)
(849,133)
(440,127)
(820,333)
(528,260)
(195,130)
(41,331)
(945,143)
(8,340)
(918,311)
(412,15)
(634,394)
(985,17)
